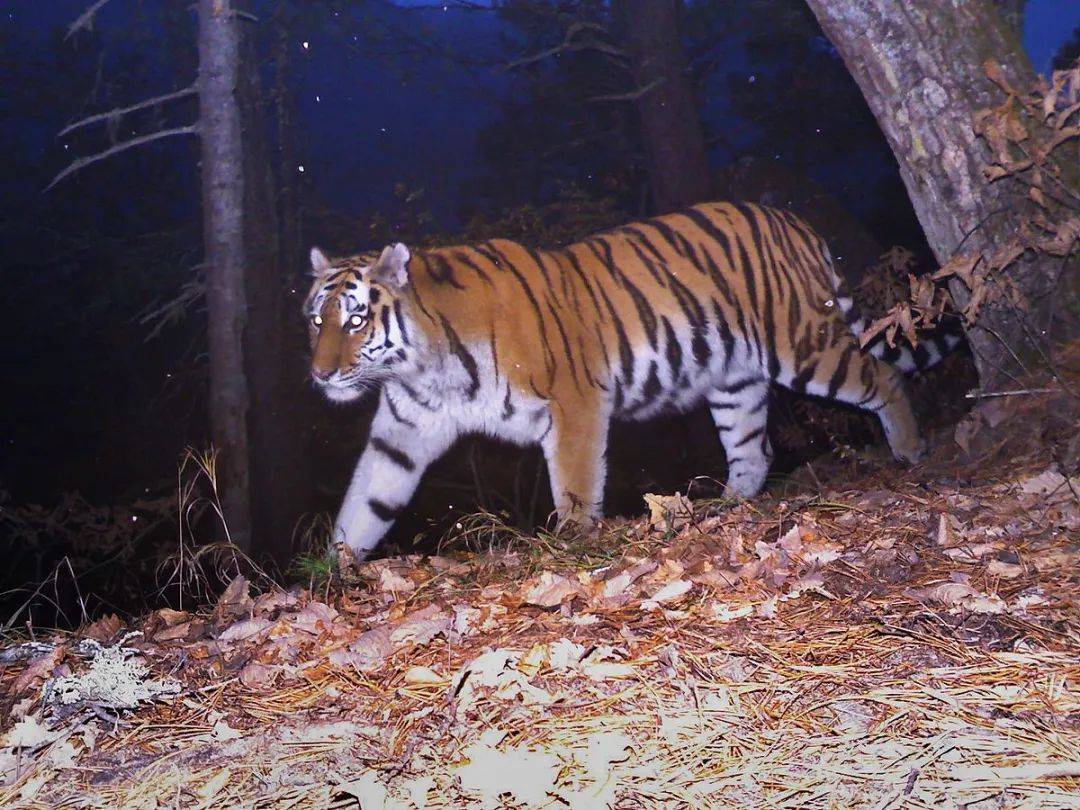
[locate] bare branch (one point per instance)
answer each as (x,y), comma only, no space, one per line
(119,111)
(85,21)
(123,146)
(572,42)
(632,95)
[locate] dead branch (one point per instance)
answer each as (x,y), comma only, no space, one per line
(120,111)
(123,146)
(571,43)
(632,95)
(85,20)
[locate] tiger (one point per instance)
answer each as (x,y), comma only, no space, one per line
(712,304)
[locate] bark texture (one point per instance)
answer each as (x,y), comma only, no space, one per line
(223,235)
(919,64)
(678,164)
(273,359)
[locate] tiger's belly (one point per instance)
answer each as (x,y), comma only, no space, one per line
(676,378)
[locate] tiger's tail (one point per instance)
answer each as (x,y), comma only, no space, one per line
(933,344)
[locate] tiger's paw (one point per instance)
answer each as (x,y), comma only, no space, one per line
(910,452)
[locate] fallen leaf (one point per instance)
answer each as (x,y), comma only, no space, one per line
(423,676)
(421,626)
(38,669)
(257,676)
(245,630)
(104,628)
(668,593)
(669,511)
(366,653)
(315,618)
(234,602)
(548,590)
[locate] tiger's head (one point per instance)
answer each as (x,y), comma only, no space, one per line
(357,321)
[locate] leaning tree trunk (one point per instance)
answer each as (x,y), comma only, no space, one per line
(920,66)
(223,227)
(671,128)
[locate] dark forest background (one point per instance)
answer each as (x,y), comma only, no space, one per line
(421,122)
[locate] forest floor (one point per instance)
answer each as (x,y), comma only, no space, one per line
(870,636)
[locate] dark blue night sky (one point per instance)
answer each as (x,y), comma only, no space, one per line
(364,125)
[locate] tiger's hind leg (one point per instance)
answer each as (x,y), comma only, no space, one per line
(740,411)
(845,373)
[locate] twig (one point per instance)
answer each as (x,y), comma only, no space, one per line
(85,20)
(1022,392)
(118,111)
(123,146)
(569,44)
(632,95)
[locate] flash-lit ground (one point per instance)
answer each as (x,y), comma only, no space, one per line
(866,637)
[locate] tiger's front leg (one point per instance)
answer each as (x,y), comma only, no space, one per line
(397,453)
(575,449)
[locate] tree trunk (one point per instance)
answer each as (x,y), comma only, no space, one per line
(223,235)
(272,362)
(919,64)
(671,128)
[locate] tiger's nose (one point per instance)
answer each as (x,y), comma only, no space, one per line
(322,374)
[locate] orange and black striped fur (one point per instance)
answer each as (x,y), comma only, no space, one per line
(547,346)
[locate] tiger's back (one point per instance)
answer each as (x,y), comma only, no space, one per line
(546,346)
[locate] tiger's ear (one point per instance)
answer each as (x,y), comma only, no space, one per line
(391,268)
(320,265)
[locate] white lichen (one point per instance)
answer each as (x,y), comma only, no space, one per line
(115,680)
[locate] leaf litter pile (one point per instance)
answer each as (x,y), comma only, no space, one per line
(872,637)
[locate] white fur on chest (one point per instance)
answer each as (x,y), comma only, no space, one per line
(438,398)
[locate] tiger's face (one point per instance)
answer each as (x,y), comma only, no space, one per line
(356,322)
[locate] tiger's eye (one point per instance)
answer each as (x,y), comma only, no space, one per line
(356,320)
(317,320)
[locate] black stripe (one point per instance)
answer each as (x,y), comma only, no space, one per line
(724,331)
(383,511)
(741,385)
(467,360)
(840,374)
(441,271)
(626,354)
(500,260)
(401,323)
(645,312)
(749,437)
(653,388)
(508,407)
(802,379)
(398,457)
(465,260)
(674,350)
(395,413)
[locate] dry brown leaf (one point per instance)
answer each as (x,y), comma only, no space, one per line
(38,669)
(421,626)
(424,676)
(549,589)
(105,628)
(234,602)
(257,676)
(245,630)
(366,653)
